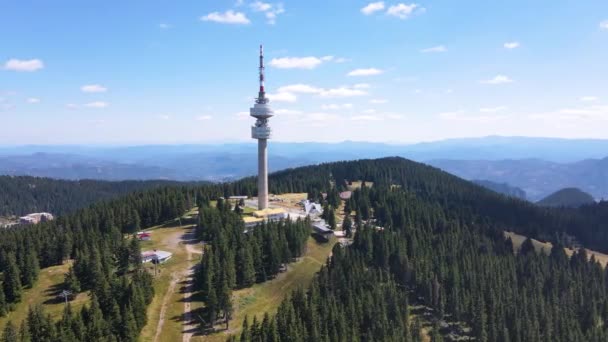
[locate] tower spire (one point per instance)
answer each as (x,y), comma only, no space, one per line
(262,93)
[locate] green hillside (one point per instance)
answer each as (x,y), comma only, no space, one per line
(568,197)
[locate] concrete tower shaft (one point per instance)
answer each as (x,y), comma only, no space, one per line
(262,132)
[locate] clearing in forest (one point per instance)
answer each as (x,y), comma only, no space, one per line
(546,247)
(266,297)
(172,282)
(46,292)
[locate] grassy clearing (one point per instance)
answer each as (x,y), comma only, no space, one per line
(267,297)
(167,284)
(357,185)
(45,292)
(545,247)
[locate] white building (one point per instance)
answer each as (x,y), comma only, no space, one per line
(155,256)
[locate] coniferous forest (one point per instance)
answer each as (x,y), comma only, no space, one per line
(20,195)
(422,238)
(238,258)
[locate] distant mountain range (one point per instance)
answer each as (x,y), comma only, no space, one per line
(539,166)
(538,178)
(569,197)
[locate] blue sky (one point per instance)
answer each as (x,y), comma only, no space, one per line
(135,72)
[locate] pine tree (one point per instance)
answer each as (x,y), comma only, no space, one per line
(12,281)
(10,333)
(3,306)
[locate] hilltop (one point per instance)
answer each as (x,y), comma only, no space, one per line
(568,197)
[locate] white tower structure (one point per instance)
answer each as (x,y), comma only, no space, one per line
(261,131)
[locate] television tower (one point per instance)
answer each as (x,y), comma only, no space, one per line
(261,131)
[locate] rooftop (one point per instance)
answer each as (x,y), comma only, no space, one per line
(268,212)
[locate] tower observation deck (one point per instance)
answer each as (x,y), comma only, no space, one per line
(262,132)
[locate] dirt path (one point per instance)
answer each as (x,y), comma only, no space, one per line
(163,308)
(190,325)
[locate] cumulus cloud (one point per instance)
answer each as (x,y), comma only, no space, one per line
(93,88)
(288,93)
(434,49)
(365,118)
(342,92)
(362,86)
(299,88)
(365,72)
(296,62)
(283,111)
(228,17)
(589,113)
(33,100)
(604,25)
(372,7)
(511,45)
(378,101)
(335,106)
(22,65)
(72,106)
(97,104)
(164,26)
(460,115)
(164,117)
(402,11)
(498,79)
(208,117)
(282,97)
(589,98)
(271,11)
(492,109)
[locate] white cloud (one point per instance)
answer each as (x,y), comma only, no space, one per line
(341,60)
(378,101)
(498,79)
(576,115)
(335,106)
(282,97)
(228,17)
(401,11)
(164,117)
(511,45)
(342,92)
(93,88)
(492,109)
(33,100)
(439,48)
(259,6)
(589,99)
(362,86)
(72,106)
(369,111)
(296,62)
(604,25)
(29,65)
(365,118)
(208,117)
(164,26)
(97,104)
(271,11)
(394,116)
(365,72)
(287,112)
(299,88)
(460,115)
(372,7)
(327,58)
